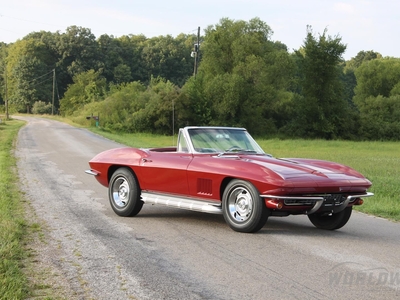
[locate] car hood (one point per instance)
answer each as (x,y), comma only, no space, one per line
(297,167)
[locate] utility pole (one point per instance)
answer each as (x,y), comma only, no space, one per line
(6,92)
(54,83)
(173,121)
(196,52)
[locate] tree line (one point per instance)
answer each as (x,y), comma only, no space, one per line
(244,78)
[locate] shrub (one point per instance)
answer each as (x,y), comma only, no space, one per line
(41,107)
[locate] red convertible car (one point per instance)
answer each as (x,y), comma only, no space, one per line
(223,170)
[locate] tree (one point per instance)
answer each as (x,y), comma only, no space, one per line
(122,73)
(3,56)
(131,51)
(376,77)
(168,58)
(77,50)
(117,109)
(88,87)
(380,118)
(377,96)
(230,42)
(361,57)
(322,111)
(110,55)
(243,76)
(157,114)
(348,76)
(29,69)
(199,108)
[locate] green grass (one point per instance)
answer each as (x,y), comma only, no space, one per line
(20,276)
(138,139)
(13,283)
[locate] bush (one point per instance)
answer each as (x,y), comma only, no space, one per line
(40,108)
(380,118)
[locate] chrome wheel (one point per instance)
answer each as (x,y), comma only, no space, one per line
(120,192)
(243,208)
(124,193)
(240,204)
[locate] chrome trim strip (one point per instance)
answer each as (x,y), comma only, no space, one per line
(292,197)
(182,203)
(92,172)
(368,194)
(224,155)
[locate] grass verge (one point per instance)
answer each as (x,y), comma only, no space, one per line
(23,271)
(13,283)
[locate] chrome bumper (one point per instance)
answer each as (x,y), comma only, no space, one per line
(319,201)
(92,172)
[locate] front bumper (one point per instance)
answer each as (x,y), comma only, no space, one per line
(328,202)
(92,172)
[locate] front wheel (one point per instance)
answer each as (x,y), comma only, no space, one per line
(124,193)
(331,221)
(243,208)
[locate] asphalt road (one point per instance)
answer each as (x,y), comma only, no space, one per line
(166,253)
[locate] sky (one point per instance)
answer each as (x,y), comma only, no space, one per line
(363,25)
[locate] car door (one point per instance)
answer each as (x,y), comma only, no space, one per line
(165,172)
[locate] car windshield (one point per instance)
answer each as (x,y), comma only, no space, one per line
(223,140)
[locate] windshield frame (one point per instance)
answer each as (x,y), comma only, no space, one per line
(217,140)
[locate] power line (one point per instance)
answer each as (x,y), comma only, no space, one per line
(40,82)
(40,77)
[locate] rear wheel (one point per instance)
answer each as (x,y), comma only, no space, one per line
(331,221)
(243,208)
(124,193)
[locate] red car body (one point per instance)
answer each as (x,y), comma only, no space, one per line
(241,182)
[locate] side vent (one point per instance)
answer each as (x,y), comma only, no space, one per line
(204,186)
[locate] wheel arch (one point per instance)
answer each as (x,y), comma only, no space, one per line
(228,179)
(223,185)
(114,168)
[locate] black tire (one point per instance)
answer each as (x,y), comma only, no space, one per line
(243,208)
(331,221)
(124,193)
